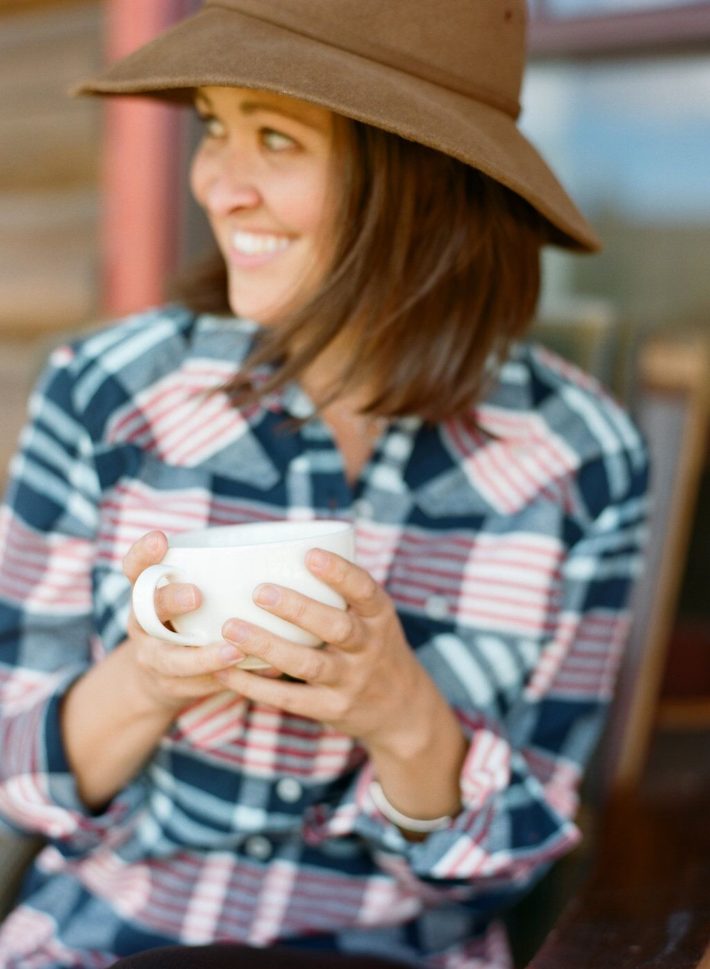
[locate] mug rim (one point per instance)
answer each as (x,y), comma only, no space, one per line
(291,532)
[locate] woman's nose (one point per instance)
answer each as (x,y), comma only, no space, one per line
(224,185)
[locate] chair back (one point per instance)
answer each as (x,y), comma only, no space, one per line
(672,409)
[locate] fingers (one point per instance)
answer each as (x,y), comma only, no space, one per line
(354,584)
(293,698)
(187,661)
(343,628)
(171,600)
(176,599)
(171,661)
(326,623)
(148,550)
(307,663)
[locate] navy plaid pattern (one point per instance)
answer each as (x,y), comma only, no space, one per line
(508,546)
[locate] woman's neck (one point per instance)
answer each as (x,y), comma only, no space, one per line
(355,433)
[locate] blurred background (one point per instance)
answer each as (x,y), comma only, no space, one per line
(94,216)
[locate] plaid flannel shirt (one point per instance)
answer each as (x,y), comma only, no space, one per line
(508,547)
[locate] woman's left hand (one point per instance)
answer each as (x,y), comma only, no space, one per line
(364,682)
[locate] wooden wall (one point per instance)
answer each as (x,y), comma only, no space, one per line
(49,189)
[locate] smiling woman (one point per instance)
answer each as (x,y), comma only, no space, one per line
(391,792)
(365,197)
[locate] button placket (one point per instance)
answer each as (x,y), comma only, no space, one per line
(258,847)
(289,790)
(437,607)
(364,509)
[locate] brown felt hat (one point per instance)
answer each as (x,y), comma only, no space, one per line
(445,73)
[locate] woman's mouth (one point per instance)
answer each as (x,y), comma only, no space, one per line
(256,248)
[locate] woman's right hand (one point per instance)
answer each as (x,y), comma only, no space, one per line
(114,716)
(171,676)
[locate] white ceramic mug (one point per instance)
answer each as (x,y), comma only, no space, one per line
(227,564)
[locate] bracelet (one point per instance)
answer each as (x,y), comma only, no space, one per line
(401,820)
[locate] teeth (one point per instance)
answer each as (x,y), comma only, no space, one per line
(253,244)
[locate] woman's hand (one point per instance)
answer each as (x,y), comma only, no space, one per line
(171,676)
(365,681)
(115,715)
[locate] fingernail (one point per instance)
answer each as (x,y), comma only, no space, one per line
(267,595)
(230,654)
(154,540)
(317,559)
(235,632)
(187,598)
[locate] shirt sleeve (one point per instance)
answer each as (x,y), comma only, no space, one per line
(48,526)
(520,780)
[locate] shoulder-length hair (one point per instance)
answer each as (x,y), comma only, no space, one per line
(436,270)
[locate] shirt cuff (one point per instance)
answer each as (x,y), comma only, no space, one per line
(485,772)
(479,842)
(43,796)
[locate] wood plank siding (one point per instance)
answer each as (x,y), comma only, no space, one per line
(49,190)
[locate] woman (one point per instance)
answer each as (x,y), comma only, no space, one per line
(379,219)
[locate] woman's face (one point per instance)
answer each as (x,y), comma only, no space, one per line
(262,174)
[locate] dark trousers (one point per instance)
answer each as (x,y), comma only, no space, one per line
(242,957)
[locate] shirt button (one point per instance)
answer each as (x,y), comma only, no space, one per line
(364,509)
(289,790)
(259,847)
(437,607)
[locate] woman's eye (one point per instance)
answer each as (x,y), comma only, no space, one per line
(212,127)
(276,141)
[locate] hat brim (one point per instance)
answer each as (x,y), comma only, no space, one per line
(220,47)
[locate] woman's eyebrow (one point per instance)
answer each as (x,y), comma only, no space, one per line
(251,107)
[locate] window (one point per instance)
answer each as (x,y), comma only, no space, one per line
(605,28)
(574,8)
(631,140)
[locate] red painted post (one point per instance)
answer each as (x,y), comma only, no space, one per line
(143,141)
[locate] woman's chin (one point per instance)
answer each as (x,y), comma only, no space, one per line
(264,316)
(258,311)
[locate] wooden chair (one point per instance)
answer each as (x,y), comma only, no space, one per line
(672,408)
(647,900)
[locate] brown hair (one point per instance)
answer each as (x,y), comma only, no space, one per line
(436,270)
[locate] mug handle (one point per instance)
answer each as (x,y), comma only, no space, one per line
(143,599)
